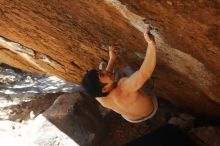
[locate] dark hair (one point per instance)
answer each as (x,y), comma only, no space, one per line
(92,85)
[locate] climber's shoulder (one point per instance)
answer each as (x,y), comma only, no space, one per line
(121,84)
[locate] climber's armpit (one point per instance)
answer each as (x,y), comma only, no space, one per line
(134,82)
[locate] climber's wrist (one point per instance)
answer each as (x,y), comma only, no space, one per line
(151,43)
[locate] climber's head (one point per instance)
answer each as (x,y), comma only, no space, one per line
(98,83)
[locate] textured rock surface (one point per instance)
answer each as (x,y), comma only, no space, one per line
(65,38)
(188,60)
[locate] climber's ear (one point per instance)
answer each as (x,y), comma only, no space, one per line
(105,89)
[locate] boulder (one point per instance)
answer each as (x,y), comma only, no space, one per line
(71,120)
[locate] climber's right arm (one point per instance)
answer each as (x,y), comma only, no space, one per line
(138,78)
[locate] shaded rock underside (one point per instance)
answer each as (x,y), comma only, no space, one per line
(65,38)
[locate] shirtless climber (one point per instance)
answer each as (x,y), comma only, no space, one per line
(125,96)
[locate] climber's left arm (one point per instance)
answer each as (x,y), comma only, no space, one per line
(113,54)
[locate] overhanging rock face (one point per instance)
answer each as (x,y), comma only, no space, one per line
(65,38)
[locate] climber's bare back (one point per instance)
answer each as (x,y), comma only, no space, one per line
(133,105)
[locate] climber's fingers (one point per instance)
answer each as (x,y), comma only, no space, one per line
(147,29)
(147,34)
(113,52)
